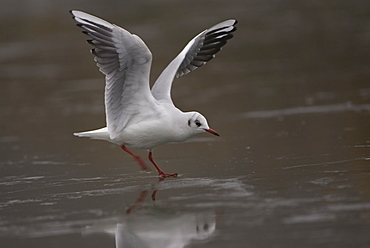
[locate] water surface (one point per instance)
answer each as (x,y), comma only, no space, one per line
(290,96)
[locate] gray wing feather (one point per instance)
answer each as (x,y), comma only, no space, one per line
(206,46)
(125,61)
(201,49)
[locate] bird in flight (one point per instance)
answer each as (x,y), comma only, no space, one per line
(137,116)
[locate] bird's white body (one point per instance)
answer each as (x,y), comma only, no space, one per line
(137,116)
(169,127)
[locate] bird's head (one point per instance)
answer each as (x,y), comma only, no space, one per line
(197,124)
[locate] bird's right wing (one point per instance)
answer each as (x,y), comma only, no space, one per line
(125,61)
(201,49)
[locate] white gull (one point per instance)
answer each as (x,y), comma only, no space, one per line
(137,116)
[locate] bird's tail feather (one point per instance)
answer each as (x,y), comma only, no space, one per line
(101,134)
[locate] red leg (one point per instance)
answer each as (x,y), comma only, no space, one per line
(154,194)
(141,163)
(161,173)
(138,202)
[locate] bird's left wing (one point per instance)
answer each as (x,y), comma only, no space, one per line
(201,49)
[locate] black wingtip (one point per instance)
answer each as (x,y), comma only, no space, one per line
(234,25)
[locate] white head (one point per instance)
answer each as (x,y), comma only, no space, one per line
(197,123)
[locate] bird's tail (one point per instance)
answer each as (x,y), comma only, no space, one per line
(101,134)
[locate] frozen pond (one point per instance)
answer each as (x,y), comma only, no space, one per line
(289,94)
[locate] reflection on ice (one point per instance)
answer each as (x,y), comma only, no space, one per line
(158,228)
(310,218)
(144,226)
(333,108)
(170,213)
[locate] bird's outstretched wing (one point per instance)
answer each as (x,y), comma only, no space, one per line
(125,61)
(201,49)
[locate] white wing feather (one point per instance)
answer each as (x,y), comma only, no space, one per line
(125,61)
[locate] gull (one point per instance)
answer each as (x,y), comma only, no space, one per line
(156,228)
(137,116)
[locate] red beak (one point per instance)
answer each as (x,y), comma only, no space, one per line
(212,131)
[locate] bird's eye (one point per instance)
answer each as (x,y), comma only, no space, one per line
(197,122)
(189,122)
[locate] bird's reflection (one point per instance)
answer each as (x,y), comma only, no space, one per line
(143,195)
(156,227)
